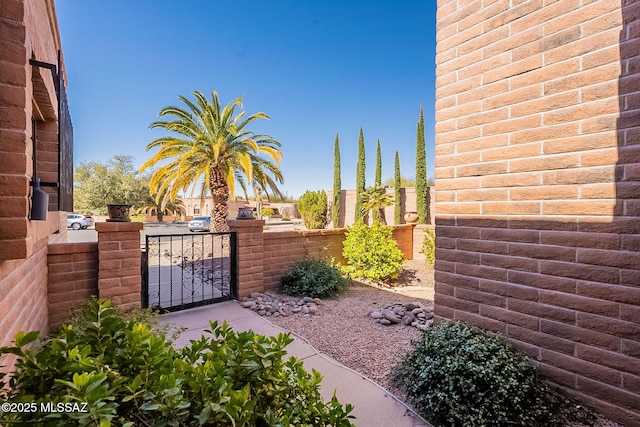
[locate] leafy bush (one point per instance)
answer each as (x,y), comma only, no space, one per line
(458,375)
(371,252)
(130,376)
(313,209)
(267,212)
(312,278)
(429,246)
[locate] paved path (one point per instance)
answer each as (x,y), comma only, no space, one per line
(373,406)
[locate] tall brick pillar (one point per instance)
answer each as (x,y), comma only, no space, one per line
(249,255)
(119,276)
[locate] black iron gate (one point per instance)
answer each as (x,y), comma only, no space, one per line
(188,270)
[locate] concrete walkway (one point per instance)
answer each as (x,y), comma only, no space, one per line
(372,405)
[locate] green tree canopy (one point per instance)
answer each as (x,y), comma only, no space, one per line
(97,184)
(337,185)
(360,176)
(313,209)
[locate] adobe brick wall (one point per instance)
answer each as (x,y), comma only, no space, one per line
(119,263)
(537,186)
(23,298)
(281,249)
(28,29)
(72,279)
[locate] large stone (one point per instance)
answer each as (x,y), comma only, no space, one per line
(390,315)
(408,319)
(385,322)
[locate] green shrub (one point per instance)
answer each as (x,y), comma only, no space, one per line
(267,212)
(429,247)
(371,252)
(130,376)
(312,278)
(459,375)
(285,218)
(313,209)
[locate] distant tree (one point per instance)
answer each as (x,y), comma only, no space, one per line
(97,184)
(378,181)
(212,145)
(405,182)
(397,182)
(337,185)
(421,171)
(313,209)
(374,200)
(172,207)
(360,177)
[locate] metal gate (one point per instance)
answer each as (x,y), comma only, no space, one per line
(188,270)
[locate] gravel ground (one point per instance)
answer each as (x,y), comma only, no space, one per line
(343,330)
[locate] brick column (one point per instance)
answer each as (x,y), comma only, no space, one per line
(119,276)
(249,255)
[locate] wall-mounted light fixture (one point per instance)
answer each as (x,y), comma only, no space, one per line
(39,203)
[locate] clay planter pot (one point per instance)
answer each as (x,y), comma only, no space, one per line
(119,213)
(411,217)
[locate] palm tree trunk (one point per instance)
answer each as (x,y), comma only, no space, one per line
(220,195)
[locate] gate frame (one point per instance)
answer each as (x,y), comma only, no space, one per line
(233,273)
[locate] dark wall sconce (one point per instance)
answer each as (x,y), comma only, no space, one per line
(39,203)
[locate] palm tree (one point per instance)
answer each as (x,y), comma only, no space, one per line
(375,199)
(175,207)
(213,148)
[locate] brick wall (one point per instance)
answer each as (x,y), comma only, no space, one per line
(72,279)
(119,263)
(28,29)
(281,249)
(537,186)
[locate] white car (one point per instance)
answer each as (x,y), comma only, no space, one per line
(200,223)
(78,221)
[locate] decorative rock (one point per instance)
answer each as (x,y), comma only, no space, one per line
(385,322)
(389,315)
(317,301)
(408,319)
(307,299)
(375,315)
(417,311)
(248,304)
(305,309)
(313,309)
(410,306)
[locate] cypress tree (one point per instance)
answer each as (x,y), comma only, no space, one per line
(378,182)
(360,178)
(397,212)
(337,185)
(421,172)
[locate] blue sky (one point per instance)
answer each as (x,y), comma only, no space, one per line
(316,68)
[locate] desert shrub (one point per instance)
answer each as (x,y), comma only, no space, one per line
(459,375)
(285,218)
(312,278)
(267,212)
(313,209)
(429,247)
(371,252)
(130,376)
